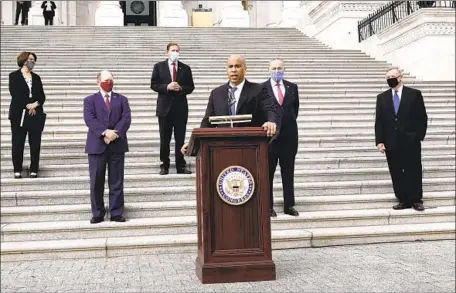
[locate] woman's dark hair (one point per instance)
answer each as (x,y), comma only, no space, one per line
(23,57)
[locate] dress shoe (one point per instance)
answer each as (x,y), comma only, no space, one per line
(292,212)
(17,176)
(401,206)
(184,171)
(33,175)
(118,219)
(164,171)
(272,213)
(418,206)
(96,220)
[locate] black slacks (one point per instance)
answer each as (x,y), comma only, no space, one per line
(404,163)
(175,120)
(18,141)
(283,152)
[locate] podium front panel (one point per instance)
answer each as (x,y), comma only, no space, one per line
(237,229)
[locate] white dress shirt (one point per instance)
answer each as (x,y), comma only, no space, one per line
(237,93)
(48,6)
(399,92)
(170,66)
(103,94)
(274,88)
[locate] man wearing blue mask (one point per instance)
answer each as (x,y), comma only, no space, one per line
(284,148)
(173,81)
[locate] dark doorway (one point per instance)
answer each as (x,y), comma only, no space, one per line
(139,12)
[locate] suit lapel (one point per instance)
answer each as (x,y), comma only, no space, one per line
(287,95)
(404,99)
(180,72)
(166,69)
(20,77)
(244,95)
(270,90)
(101,102)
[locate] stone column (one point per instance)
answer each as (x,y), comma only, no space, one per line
(234,15)
(291,14)
(35,15)
(109,13)
(172,13)
(8,12)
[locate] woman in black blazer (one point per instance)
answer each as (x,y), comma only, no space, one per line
(48,12)
(26,113)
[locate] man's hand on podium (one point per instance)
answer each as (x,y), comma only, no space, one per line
(184,148)
(270,128)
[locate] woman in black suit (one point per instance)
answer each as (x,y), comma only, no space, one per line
(26,113)
(48,12)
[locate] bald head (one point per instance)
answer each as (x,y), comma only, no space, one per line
(104,75)
(236,58)
(276,64)
(235,69)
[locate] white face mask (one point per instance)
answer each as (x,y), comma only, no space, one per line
(174,56)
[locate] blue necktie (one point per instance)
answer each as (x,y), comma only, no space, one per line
(232,101)
(396,102)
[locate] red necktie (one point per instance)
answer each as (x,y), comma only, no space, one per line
(174,71)
(279,92)
(108,105)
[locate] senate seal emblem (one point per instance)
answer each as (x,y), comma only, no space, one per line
(235,185)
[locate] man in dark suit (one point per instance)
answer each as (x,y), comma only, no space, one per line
(284,148)
(22,8)
(107,116)
(240,97)
(400,126)
(173,81)
(48,12)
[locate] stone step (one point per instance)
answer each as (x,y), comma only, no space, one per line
(153,166)
(339,153)
(325,182)
(291,74)
(162,244)
(179,192)
(134,210)
(134,162)
(140,134)
(301,174)
(63,230)
(334,121)
(70,145)
(146,92)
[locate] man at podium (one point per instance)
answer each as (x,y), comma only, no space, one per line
(240,97)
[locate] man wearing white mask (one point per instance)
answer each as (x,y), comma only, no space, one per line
(173,81)
(283,149)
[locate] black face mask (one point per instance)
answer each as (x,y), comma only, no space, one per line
(392,82)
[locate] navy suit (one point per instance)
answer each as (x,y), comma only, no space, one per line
(98,119)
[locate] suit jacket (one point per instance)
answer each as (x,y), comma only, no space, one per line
(290,110)
(408,126)
(26,5)
(161,77)
(53,7)
(254,99)
(20,93)
(98,119)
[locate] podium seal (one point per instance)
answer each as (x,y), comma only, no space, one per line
(235,185)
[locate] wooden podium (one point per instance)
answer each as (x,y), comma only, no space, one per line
(232,190)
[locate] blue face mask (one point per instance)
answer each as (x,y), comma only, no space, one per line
(276,75)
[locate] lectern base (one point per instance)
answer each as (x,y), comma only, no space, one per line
(232,272)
